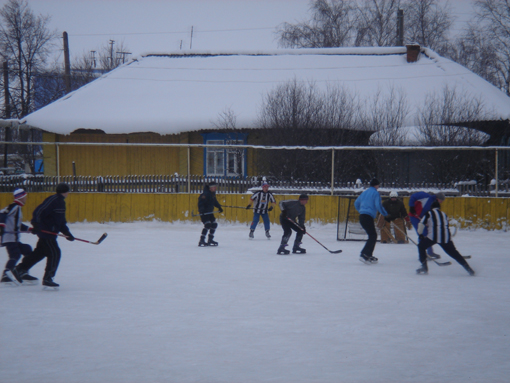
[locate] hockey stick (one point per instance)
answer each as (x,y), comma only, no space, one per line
(198,215)
(101,239)
(235,207)
(448,263)
(331,251)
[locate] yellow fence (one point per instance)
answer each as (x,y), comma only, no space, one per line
(474,212)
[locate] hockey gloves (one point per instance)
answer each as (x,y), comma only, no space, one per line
(387,218)
(270,208)
(247,207)
(220,209)
(412,210)
(35,229)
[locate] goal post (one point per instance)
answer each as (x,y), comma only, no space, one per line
(348,227)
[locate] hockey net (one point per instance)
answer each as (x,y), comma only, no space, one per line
(348,226)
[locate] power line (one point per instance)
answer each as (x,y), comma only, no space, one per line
(168,33)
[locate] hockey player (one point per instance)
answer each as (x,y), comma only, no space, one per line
(397,214)
(296,211)
(11,227)
(206,203)
(420,204)
(435,225)
(368,204)
(49,216)
(261,199)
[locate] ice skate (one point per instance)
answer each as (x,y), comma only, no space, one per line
(49,285)
(7,281)
(268,236)
(210,242)
(202,242)
(297,249)
(365,259)
(251,234)
(374,260)
(282,250)
(25,277)
(423,270)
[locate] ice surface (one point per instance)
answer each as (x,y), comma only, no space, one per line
(149,305)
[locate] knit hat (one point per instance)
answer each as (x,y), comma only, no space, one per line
(265,184)
(62,188)
(19,194)
(303,196)
(393,194)
(374,182)
(440,196)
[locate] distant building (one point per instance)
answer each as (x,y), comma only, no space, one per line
(178,98)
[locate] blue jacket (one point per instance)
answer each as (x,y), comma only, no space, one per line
(369,202)
(421,202)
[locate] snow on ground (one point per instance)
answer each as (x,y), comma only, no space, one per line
(149,305)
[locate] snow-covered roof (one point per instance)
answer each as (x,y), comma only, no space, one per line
(171,93)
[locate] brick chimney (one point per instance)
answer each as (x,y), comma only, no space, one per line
(413,50)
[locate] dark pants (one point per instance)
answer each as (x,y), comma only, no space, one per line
(367,223)
(449,248)
(46,248)
(15,250)
(287,227)
(415,221)
(210,225)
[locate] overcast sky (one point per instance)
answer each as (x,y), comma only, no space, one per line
(165,25)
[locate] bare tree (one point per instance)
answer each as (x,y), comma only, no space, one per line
(493,16)
(112,55)
(442,122)
(26,42)
(298,113)
(332,25)
(376,23)
(428,23)
(476,51)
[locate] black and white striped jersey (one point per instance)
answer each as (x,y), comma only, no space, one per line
(261,201)
(438,229)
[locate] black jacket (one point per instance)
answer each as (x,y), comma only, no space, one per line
(295,210)
(395,209)
(50,215)
(207,201)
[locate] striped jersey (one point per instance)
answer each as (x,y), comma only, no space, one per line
(261,201)
(438,229)
(13,223)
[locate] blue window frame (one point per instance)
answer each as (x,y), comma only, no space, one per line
(224,162)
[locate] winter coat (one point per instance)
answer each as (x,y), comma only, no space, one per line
(50,215)
(395,209)
(369,202)
(13,223)
(421,202)
(207,201)
(295,210)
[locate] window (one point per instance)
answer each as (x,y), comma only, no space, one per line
(225,162)
(215,159)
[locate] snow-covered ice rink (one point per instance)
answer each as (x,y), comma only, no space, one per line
(149,305)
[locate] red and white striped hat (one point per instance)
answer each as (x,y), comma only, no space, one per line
(19,193)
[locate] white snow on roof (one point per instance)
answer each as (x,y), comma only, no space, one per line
(176,92)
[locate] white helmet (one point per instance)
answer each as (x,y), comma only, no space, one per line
(393,194)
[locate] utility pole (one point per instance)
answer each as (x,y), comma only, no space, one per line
(123,56)
(67,64)
(93,59)
(191,39)
(7,112)
(111,54)
(400,28)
